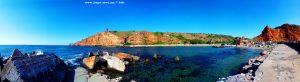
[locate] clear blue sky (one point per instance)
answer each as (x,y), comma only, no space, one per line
(60,22)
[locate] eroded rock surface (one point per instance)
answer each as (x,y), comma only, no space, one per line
(283,33)
(149,38)
(34,68)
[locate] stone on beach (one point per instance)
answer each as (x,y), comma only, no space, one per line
(42,68)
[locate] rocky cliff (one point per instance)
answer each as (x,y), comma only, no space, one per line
(103,38)
(283,33)
(112,38)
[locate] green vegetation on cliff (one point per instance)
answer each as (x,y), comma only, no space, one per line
(153,38)
(157,38)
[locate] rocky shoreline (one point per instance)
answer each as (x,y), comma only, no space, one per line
(281,66)
(249,70)
(95,67)
(277,64)
(171,45)
(47,68)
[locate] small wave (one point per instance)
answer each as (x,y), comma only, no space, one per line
(74,61)
(39,52)
(4,58)
(223,79)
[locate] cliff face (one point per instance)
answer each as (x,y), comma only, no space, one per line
(283,33)
(146,38)
(104,38)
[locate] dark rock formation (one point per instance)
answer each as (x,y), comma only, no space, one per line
(1,64)
(283,33)
(34,68)
(295,46)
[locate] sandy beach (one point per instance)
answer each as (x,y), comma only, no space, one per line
(282,65)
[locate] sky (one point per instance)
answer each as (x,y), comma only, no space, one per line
(61,22)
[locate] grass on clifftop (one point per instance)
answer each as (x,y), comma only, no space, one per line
(185,38)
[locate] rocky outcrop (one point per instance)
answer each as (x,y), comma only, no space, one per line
(149,38)
(283,33)
(137,38)
(114,63)
(82,75)
(98,61)
(34,68)
(104,39)
(249,70)
(1,63)
(127,57)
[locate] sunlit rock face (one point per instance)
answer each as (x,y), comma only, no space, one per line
(103,38)
(34,68)
(283,33)
(114,38)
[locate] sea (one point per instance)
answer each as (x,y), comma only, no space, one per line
(197,63)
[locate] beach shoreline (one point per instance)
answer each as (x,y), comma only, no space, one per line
(171,45)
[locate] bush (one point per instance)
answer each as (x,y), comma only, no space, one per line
(159,42)
(158,33)
(195,41)
(126,43)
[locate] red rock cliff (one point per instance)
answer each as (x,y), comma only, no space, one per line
(113,38)
(104,39)
(283,33)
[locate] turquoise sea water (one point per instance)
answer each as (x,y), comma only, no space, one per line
(197,64)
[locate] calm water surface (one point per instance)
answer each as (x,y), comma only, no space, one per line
(198,64)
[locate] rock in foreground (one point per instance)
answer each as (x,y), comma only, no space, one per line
(34,68)
(104,60)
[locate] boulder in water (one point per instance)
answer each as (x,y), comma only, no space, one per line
(122,56)
(135,58)
(97,62)
(127,57)
(146,61)
(177,59)
(38,68)
(114,63)
(156,56)
(89,62)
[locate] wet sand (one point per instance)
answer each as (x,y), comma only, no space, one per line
(282,65)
